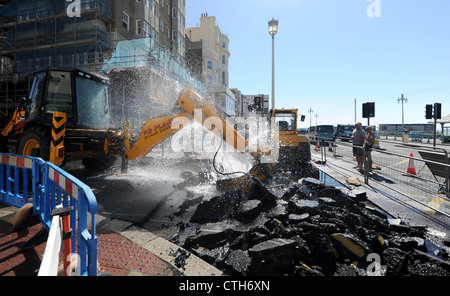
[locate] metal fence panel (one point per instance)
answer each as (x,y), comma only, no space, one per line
(49,186)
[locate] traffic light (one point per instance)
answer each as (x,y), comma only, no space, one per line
(429,112)
(368,110)
(437,110)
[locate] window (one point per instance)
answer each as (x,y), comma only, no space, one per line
(223,59)
(286,121)
(91,57)
(174,12)
(223,45)
(36,95)
(126,20)
(93,102)
(149,32)
(59,94)
(149,4)
(230,107)
(210,64)
(161,25)
(223,78)
(138,27)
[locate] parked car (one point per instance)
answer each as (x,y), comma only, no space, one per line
(311,133)
(344,132)
(302,131)
(325,132)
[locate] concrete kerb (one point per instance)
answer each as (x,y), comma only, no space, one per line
(160,247)
(7,213)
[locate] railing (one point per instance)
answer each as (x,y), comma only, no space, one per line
(414,136)
(62,188)
(413,170)
(15,172)
(52,187)
(427,172)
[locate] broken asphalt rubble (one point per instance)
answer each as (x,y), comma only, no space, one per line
(310,229)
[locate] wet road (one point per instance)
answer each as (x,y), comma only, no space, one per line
(156,195)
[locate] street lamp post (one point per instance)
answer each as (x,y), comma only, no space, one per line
(403,100)
(310,116)
(273,28)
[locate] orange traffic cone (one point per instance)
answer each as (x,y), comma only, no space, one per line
(411,168)
(318,144)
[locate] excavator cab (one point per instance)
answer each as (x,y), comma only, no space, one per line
(66,115)
(294,149)
(82,96)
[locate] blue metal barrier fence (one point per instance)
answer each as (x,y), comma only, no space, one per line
(52,186)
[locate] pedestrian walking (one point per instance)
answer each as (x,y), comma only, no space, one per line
(358,138)
(370,139)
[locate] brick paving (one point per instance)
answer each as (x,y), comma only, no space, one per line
(117,255)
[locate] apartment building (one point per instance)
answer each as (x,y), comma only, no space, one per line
(162,20)
(215,56)
(35,34)
(172,25)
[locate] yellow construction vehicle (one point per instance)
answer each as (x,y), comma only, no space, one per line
(67,116)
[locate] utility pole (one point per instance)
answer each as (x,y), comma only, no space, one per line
(403,100)
(310,111)
(316,116)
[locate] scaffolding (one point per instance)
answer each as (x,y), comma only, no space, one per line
(35,34)
(146,80)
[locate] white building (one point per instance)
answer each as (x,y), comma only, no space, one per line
(215,57)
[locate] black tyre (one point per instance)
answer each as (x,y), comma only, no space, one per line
(36,143)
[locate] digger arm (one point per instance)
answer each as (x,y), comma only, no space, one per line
(206,114)
(155,131)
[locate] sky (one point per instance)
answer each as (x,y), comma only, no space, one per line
(329,53)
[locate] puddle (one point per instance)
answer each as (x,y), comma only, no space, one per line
(328,180)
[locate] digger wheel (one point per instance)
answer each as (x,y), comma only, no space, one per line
(36,143)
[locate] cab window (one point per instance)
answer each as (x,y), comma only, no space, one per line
(286,121)
(36,95)
(59,93)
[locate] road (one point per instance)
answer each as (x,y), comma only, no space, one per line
(417,195)
(159,194)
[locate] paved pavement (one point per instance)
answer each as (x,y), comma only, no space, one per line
(123,250)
